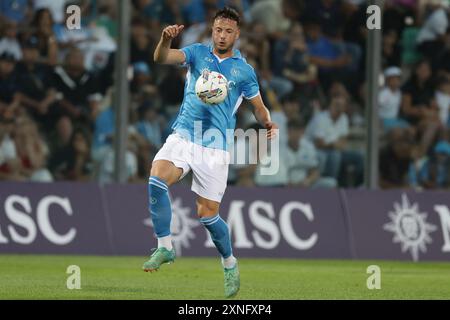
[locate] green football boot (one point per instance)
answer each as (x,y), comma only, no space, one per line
(160,256)
(232,281)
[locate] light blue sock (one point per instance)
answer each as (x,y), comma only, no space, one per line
(220,235)
(159,206)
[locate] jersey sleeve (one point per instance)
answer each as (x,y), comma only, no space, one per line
(190,53)
(250,88)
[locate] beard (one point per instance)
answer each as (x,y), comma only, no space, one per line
(223,51)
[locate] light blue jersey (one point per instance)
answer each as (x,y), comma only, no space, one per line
(220,118)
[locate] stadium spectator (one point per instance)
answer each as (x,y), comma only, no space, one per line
(141,46)
(419,107)
(252,157)
(442,96)
(147,135)
(390,98)
(149,125)
(431,38)
(391,53)
(290,106)
(142,81)
(9,163)
(72,161)
(54,7)
(270,14)
(32,151)
(353,109)
(59,139)
(9,42)
(301,159)
(396,161)
(78,89)
(34,83)
(435,172)
(106,170)
(255,47)
(42,25)
(258,37)
(9,91)
(329,130)
(293,63)
(332,62)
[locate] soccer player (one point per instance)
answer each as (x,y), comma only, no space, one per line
(182,149)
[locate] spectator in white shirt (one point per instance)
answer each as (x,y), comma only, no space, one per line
(301,159)
(431,37)
(329,130)
(442,96)
(267,165)
(9,161)
(291,109)
(390,99)
(9,42)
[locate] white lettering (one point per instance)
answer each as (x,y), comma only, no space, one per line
(444,214)
(74,20)
(265,224)
(374,20)
(44,224)
(374,280)
(74,280)
(20,218)
(287,229)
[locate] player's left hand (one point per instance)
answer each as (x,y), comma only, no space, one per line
(271,129)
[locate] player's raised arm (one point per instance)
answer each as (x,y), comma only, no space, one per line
(163,53)
(262,114)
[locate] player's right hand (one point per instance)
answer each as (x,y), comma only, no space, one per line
(172,32)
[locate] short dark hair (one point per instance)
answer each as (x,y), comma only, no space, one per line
(228,13)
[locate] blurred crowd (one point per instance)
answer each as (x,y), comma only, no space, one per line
(57,119)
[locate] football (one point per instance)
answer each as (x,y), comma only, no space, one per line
(211,87)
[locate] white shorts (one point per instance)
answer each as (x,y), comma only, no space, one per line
(209,166)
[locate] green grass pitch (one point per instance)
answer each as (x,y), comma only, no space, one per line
(45,277)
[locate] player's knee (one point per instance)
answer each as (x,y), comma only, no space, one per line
(161,174)
(166,171)
(207,208)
